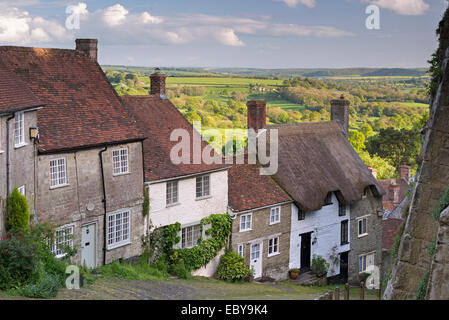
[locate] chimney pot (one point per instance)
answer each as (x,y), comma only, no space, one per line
(340,112)
(88,46)
(158,83)
(373,172)
(257,114)
(405,172)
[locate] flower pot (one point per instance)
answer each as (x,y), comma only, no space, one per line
(294,275)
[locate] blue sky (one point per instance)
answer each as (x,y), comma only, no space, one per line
(232,33)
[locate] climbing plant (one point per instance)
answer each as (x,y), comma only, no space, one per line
(442,204)
(146,202)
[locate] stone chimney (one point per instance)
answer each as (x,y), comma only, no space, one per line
(88,46)
(405,172)
(373,172)
(394,192)
(158,83)
(340,112)
(257,114)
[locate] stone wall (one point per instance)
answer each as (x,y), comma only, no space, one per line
(277,266)
(371,243)
(432,180)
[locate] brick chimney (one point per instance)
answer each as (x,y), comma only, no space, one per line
(405,172)
(340,112)
(88,46)
(158,83)
(373,171)
(257,113)
(394,192)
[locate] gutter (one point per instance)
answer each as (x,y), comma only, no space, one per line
(8,155)
(232,214)
(188,175)
(100,155)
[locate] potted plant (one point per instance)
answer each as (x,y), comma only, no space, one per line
(294,273)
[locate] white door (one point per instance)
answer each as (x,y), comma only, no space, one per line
(88,247)
(256,259)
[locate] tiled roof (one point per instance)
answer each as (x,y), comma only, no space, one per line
(249,190)
(14,94)
(81,107)
(390,228)
(157,118)
(315,159)
(388,198)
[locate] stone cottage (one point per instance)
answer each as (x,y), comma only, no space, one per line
(184,192)
(261,215)
(337,202)
(86,153)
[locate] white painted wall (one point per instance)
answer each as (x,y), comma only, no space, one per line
(326,227)
(189,210)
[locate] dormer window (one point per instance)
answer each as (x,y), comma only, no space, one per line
(328,200)
(19,130)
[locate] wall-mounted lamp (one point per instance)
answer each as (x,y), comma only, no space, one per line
(380,212)
(34,133)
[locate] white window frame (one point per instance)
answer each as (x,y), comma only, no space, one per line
(172,190)
(240,250)
(115,237)
(22,190)
(273,215)
(273,246)
(363,258)
(361,219)
(246,226)
(61,175)
(195,230)
(200,181)
(120,161)
(66,239)
(19,129)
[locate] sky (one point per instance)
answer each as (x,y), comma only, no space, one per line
(232,33)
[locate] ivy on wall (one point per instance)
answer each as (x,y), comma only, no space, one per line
(146,202)
(193,258)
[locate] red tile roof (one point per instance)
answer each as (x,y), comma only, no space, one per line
(388,198)
(14,94)
(247,189)
(157,118)
(390,228)
(81,107)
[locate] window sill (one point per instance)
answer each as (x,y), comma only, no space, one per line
(273,223)
(21,145)
(118,245)
(2,151)
(173,204)
(344,243)
(59,186)
(274,254)
(203,198)
(246,230)
(120,174)
(362,235)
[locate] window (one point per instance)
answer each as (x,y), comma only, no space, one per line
(202,186)
(245,222)
(275,215)
(255,251)
(362,231)
(119,229)
(341,209)
(190,236)
(365,261)
(240,250)
(58,175)
(120,161)
(63,238)
(172,192)
(328,200)
(273,246)
(19,129)
(344,232)
(365,192)
(301,215)
(22,190)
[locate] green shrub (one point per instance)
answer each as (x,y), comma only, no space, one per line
(442,204)
(45,287)
(319,265)
(422,288)
(139,271)
(181,271)
(18,212)
(232,267)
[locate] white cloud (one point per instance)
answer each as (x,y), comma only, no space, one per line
(80,9)
(402,7)
(17,26)
(294,3)
(229,38)
(115,15)
(146,18)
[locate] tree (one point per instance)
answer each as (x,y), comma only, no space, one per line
(367,130)
(357,140)
(396,146)
(18,212)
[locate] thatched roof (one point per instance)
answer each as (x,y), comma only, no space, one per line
(315,159)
